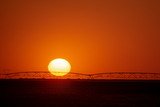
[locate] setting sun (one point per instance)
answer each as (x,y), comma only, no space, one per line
(59,67)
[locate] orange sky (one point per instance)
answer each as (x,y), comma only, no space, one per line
(93,35)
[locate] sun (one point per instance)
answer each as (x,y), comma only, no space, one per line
(59,67)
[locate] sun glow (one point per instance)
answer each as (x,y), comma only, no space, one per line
(59,67)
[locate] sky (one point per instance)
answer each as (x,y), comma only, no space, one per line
(93,35)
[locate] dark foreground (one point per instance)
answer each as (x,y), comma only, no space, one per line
(79,93)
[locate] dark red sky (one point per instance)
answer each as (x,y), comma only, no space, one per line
(93,35)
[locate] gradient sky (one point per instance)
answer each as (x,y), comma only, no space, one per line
(93,35)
